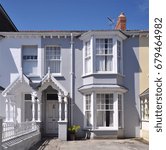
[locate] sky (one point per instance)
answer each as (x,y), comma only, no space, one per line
(76,14)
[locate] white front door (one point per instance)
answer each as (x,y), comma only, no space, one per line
(52,117)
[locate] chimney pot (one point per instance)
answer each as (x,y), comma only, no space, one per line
(121,23)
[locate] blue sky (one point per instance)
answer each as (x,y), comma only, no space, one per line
(75,14)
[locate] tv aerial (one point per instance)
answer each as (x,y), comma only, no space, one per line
(111,22)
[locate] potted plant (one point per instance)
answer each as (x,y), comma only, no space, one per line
(72,131)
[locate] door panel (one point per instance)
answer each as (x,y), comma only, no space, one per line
(52,117)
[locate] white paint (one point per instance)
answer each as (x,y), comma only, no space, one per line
(52,117)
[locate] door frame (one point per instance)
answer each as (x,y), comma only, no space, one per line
(46,112)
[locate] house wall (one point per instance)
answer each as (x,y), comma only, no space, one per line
(145,130)
(144,78)
(65,79)
(131,81)
(2,105)
(11,57)
(144,63)
(11,49)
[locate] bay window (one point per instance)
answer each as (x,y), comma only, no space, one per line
(53,58)
(104,54)
(105,110)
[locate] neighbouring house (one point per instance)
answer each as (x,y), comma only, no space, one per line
(144,86)
(6,23)
(144,102)
(62,78)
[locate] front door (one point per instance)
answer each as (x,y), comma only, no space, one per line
(52,117)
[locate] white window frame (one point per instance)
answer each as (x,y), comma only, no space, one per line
(104,55)
(121,111)
(46,68)
(115,114)
(89,110)
(32,58)
(87,57)
(145,109)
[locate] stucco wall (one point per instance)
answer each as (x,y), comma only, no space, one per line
(11,57)
(2,105)
(144,63)
(131,81)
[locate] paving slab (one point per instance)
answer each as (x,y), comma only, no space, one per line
(106,144)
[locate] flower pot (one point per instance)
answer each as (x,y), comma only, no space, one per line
(72,136)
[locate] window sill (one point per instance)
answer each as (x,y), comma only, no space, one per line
(144,120)
(31,75)
(57,74)
(105,129)
(102,73)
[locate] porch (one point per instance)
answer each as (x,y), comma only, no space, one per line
(47,105)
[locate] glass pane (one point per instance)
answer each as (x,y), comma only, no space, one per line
(52,96)
(100,118)
(88,118)
(120,118)
(27,97)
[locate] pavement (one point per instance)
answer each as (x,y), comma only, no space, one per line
(104,144)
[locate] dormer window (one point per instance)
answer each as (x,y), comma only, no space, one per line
(104,54)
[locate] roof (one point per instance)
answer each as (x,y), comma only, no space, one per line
(2,88)
(136,32)
(78,33)
(6,23)
(112,87)
(145,93)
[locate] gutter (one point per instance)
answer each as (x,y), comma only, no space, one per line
(1,37)
(72,77)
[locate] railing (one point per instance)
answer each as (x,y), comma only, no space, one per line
(12,130)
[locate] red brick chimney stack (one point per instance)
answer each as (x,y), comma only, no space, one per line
(121,23)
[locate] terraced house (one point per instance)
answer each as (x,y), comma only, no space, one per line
(56,79)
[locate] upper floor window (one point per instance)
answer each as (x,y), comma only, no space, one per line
(53,59)
(104,54)
(29,60)
(87,57)
(119,56)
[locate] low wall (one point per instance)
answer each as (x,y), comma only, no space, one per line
(23,142)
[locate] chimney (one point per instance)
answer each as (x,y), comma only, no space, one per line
(121,23)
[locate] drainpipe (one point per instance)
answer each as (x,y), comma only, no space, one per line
(72,77)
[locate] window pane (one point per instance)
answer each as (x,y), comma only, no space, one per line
(120,118)
(100,118)
(53,58)
(104,110)
(88,117)
(29,59)
(88,109)
(27,97)
(52,96)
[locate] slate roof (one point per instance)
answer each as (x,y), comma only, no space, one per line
(6,23)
